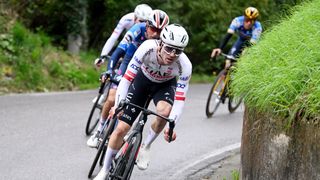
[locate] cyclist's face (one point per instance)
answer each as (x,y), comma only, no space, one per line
(248,23)
(152,32)
(169,54)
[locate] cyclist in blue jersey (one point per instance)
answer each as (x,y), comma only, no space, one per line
(131,41)
(248,30)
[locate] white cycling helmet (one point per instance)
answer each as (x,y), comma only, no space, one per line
(158,19)
(175,35)
(143,12)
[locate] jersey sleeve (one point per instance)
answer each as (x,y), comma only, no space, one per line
(235,24)
(130,36)
(114,36)
(256,33)
(181,89)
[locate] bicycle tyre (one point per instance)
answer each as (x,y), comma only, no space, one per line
(102,146)
(91,124)
(102,156)
(125,162)
(233,103)
(133,155)
(214,100)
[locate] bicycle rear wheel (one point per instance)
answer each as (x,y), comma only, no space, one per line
(124,163)
(103,146)
(234,103)
(95,112)
(215,94)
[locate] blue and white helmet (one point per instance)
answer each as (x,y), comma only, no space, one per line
(175,35)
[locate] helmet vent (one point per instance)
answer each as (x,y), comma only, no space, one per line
(184,38)
(171,36)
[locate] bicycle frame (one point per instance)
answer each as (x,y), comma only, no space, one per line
(123,163)
(220,90)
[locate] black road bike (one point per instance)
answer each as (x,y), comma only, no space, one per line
(103,139)
(123,164)
(96,109)
(220,91)
(98,102)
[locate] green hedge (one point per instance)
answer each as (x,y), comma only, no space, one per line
(282,72)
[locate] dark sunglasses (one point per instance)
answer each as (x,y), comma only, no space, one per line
(152,28)
(169,50)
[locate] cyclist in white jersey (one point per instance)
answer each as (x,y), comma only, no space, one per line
(159,69)
(126,22)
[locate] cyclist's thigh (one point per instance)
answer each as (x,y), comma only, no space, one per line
(164,92)
(137,94)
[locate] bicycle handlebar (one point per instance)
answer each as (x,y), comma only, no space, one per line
(227,56)
(124,103)
(111,79)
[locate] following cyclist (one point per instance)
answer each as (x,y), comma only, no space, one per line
(133,38)
(159,69)
(248,29)
(126,22)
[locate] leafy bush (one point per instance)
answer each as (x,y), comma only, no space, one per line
(28,62)
(281,73)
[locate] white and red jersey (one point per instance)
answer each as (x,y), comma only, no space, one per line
(125,23)
(146,58)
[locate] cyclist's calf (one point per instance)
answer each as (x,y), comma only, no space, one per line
(118,134)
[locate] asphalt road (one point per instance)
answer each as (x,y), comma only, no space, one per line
(42,137)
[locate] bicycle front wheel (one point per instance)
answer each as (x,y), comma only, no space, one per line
(94,116)
(103,146)
(215,94)
(124,163)
(95,112)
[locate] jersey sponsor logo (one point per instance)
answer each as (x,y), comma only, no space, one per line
(127,116)
(182,86)
(185,78)
(169,99)
(137,60)
(135,67)
(127,39)
(156,73)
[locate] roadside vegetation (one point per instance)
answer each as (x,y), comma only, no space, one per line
(29,62)
(281,74)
